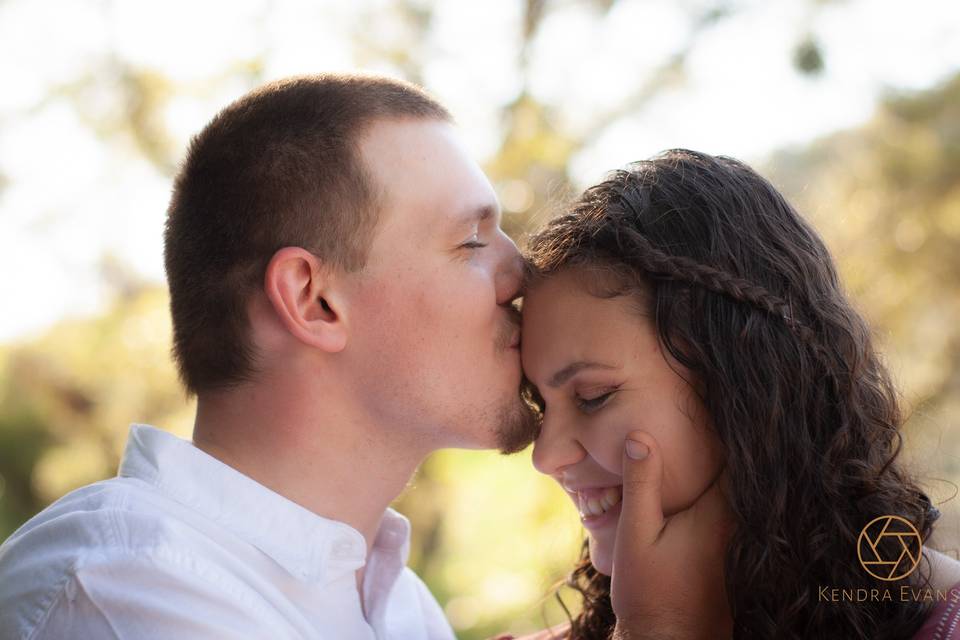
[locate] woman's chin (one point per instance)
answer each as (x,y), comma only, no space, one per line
(601,556)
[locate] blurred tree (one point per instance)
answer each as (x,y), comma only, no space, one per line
(887,197)
(68,397)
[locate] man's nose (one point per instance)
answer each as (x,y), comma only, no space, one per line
(556,447)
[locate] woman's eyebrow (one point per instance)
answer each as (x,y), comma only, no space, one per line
(568,371)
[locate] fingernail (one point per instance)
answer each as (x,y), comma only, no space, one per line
(637,450)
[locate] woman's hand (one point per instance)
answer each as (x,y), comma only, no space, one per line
(667,581)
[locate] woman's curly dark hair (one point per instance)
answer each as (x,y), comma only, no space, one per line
(745,295)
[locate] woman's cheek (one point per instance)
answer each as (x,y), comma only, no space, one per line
(676,496)
(607,437)
(686,475)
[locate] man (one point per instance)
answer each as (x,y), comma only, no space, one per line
(341,299)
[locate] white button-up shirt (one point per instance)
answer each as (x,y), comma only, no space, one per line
(180,545)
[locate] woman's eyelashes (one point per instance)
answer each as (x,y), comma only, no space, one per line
(591,405)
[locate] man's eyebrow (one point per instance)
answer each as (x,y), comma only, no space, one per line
(571,369)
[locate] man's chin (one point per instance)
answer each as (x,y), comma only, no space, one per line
(517,428)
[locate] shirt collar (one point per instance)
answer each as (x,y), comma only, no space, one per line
(307,545)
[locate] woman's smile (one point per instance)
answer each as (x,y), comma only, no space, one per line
(599,506)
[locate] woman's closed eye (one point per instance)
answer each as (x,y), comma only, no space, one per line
(595,403)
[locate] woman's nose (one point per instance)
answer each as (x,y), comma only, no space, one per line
(555,447)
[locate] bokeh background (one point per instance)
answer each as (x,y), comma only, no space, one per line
(851,107)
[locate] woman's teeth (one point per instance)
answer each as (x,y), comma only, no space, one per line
(598,505)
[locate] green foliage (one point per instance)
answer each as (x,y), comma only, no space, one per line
(887,198)
(68,397)
(492,537)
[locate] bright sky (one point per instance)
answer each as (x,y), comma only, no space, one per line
(69,196)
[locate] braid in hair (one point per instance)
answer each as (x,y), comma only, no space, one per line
(633,245)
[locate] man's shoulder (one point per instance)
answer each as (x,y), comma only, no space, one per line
(97,516)
(83,527)
(120,517)
(116,516)
(116,527)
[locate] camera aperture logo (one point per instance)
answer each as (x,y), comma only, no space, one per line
(889,548)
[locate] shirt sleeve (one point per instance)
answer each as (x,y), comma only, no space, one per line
(153,597)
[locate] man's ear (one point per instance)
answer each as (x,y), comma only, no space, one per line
(302,291)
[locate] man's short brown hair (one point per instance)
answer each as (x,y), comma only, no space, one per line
(279,167)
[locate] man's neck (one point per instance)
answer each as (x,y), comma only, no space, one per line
(336,464)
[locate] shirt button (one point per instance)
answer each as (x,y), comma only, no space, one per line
(342,548)
(71,590)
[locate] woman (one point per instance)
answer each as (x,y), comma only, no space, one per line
(686,298)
